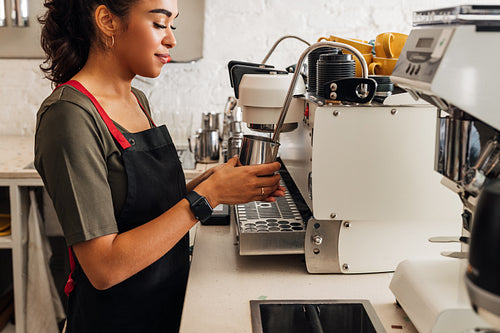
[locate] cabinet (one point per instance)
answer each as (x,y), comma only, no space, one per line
(18,202)
(16,180)
(5,258)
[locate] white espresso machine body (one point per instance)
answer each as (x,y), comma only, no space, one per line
(366,175)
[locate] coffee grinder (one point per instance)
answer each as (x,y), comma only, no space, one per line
(434,66)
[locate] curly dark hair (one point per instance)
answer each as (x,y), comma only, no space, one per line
(68,31)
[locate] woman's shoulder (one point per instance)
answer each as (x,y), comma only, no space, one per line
(68,98)
(67,93)
(68,112)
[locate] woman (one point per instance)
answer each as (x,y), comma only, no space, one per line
(113,176)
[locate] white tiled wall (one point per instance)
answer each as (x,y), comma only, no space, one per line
(234,29)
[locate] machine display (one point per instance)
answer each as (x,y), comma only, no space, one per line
(435,66)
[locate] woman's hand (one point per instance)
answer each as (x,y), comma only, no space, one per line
(231,183)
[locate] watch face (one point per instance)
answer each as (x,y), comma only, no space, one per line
(202,209)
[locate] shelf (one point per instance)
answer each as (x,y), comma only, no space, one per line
(6,242)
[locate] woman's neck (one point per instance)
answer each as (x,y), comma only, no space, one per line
(102,75)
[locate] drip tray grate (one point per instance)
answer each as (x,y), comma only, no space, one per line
(270,227)
(279,216)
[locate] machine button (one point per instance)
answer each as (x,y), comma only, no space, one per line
(317,239)
(417,70)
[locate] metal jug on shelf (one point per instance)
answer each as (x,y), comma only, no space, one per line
(210,121)
(206,147)
(207,139)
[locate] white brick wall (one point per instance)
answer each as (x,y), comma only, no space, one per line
(234,29)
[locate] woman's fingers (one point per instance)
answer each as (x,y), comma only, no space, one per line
(271,192)
(273,195)
(266,169)
(268,181)
(233,161)
(279,192)
(243,184)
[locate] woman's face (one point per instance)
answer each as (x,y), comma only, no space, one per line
(142,47)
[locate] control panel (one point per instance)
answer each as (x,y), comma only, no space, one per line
(422,53)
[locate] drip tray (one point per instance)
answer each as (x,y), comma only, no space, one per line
(271,228)
(304,316)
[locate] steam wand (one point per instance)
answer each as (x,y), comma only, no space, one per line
(279,41)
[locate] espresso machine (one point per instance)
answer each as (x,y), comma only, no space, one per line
(361,192)
(450,61)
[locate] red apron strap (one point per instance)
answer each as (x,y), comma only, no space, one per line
(70,284)
(109,123)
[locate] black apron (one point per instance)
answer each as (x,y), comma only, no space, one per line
(151,300)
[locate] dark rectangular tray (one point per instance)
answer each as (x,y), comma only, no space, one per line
(290,316)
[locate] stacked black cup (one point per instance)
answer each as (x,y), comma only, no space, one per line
(333,66)
(312,59)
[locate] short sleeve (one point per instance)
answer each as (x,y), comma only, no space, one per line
(70,156)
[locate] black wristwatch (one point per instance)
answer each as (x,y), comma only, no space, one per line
(200,206)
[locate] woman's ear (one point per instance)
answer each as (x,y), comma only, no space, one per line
(106,22)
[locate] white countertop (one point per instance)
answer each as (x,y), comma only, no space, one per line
(221,284)
(17,154)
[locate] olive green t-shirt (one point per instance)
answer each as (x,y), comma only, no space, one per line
(80,164)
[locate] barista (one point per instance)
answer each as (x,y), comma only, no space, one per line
(114,176)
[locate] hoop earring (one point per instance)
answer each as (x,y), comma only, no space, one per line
(112,42)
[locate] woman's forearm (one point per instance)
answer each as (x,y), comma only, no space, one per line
(198,180)
(111,259)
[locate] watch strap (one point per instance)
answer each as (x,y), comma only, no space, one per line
(192,197)
(199,206)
